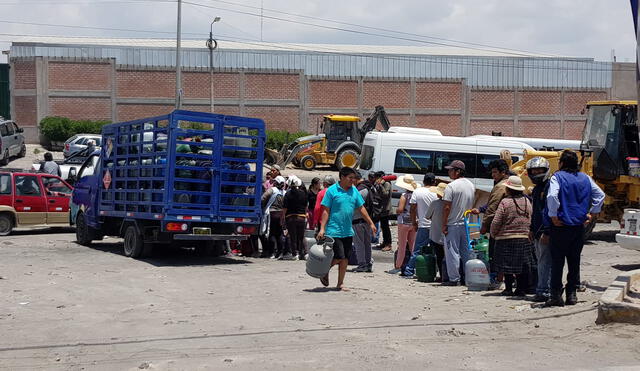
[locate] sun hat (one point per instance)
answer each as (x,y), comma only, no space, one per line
(407,182)
(439,190)
(279,179)
(456,164)
(515,183)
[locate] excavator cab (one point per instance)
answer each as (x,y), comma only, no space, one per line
(611,135)
(339,129)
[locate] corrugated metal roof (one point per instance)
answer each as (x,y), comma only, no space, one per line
(484,69)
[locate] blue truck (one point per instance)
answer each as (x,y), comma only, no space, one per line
(188,179)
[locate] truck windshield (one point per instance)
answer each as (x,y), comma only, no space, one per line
(601,124)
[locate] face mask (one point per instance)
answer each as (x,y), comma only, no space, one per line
(537,179)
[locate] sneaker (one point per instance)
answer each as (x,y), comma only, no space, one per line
(295,258)
(274,257)
(302,257)
(450,283)
(519,293)
(286,256)
(540,298)
(407,276)
(359,269)
(393,271)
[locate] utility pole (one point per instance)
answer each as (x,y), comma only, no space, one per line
(178,66)
(212,45)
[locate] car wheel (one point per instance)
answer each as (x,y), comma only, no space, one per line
(84,235)
(6,224)
(308,163)
(133,244)
(23,151)
(347,158)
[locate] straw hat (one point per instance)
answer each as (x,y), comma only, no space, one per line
(407,182)
(515,183)
(439,190)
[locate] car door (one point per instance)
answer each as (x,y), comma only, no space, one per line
(4,141)
(58,195)
(29,202)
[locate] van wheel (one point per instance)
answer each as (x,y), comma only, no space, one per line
(6,224)
(23,151)
(5,159)
(308,163)
(133,244)
(84,233)
(347,158)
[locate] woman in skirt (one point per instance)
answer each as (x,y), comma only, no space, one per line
(510,228)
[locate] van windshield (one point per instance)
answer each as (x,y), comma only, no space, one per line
(366,161)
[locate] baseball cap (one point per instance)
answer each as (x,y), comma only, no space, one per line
(455,164)
(279,179)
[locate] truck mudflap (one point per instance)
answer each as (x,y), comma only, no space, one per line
(210,237)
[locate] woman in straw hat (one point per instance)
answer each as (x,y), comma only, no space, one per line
(510,228)
(406,232)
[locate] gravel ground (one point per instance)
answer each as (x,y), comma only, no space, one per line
(64,306)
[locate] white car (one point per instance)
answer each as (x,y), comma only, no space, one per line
(628,236)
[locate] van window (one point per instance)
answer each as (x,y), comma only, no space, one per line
(482,165)
(413,161)
(366,159)
(443,159)
(5,184)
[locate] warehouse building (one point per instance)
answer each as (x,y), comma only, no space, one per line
(290,86)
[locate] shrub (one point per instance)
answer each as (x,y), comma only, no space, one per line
(59,129)
(277,138)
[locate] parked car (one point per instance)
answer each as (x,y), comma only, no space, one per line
(11,141)
(628,236)
(33,200)
(79,142)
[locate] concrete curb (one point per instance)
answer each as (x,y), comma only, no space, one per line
(612,306)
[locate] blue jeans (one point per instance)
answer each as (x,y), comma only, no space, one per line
(376,238)
(456,251)
(422,239)
(543,254)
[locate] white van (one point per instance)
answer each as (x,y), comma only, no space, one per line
(415,151)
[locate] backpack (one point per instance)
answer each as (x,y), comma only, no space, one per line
(378,199)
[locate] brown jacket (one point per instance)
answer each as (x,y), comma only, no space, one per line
(498,192)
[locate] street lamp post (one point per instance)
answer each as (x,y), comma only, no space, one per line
(212,45)
(178,67)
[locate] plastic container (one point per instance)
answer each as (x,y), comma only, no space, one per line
(319,258)
(634,166)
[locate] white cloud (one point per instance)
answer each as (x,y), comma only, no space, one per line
(589,28)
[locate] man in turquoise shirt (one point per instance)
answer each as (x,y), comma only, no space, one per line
(338,205)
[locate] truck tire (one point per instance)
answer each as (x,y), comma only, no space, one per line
(133,243)
(347,157)
(84,233)
(308,163)
(6,224)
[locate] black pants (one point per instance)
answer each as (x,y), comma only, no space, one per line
(267,247)
(386,231)
(275,233)
(522,281)
(296,226)
(438,250)
(566,243)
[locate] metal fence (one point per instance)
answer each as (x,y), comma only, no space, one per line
(487,72)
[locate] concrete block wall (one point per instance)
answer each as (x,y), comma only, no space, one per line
(100,89)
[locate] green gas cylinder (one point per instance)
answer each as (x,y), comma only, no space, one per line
(426,265)
(481,248)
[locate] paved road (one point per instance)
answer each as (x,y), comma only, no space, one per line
(64,306)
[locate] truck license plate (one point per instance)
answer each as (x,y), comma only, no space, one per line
(633,223)
(201,230)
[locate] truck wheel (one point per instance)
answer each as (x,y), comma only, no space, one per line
(133,244)
(347,157)
(308,163)
(6,224)
(23,151)
(84,234)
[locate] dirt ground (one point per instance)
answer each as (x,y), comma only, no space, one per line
(64,306)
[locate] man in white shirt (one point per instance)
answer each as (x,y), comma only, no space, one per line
(458,198)
(420,201)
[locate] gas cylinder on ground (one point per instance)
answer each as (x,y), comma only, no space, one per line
(476,274)
(320,257)
(426,265)
(481,247)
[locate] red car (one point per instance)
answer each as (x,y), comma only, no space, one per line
(33,200)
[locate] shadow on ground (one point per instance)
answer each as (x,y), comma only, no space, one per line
(626,267)
(33,232)
(171,257)
(604,236)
